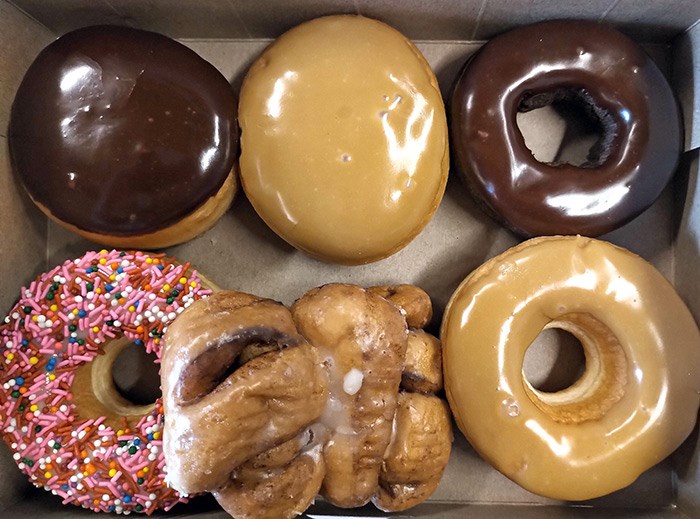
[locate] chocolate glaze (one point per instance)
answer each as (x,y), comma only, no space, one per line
(533,65)
(120,131)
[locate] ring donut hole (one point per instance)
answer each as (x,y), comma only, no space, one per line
(124,383)
(602,382)
(136,375)
(554,361)
(582,131)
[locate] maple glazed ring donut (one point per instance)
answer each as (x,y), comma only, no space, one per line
(586,63)
(637,399)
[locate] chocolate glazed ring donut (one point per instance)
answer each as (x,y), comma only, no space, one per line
(585,62)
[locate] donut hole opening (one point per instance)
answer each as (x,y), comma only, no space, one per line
(592,392)
(554,361)
(566,127)
(120,385)
(136,375)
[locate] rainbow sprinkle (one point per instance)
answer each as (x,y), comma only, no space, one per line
(62,321)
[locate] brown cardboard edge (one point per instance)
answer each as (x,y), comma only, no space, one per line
(685,74)
(687,282)
(493,511)
(23,252)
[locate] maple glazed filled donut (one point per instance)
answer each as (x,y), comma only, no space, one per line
(581,62)
(125,137)
(268,406)
(69,428)
(344,139)
(637,399)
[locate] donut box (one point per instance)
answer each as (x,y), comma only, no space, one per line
(242,253)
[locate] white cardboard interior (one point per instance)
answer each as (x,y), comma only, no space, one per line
(242,253)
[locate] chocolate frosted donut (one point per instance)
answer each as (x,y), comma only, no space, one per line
(585,62)
(120,134)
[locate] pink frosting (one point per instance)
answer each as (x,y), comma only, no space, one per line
(62,321)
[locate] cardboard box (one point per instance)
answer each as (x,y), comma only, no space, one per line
(242,253)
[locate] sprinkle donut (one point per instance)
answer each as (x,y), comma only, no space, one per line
(69,429)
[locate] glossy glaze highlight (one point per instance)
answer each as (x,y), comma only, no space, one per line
(121,132)
(344,149)
(594,65)
(638,398)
